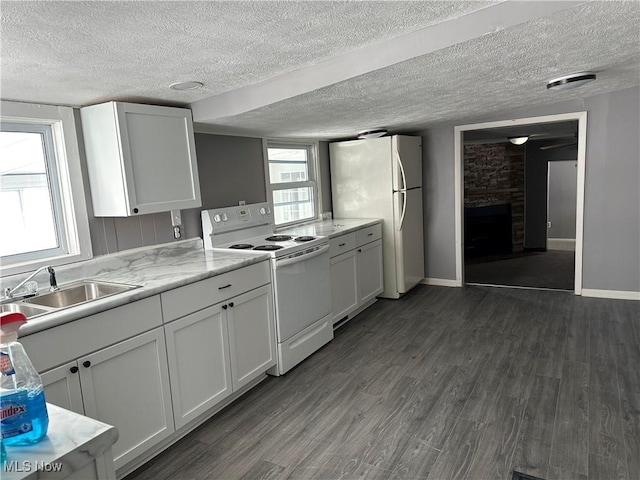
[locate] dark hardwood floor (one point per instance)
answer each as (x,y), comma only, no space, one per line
(444,383)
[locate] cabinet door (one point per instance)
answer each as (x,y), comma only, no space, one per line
(370,282)
(159,157)
(344,284)
(127,386)
(251,335)
(199,365)
(62,387)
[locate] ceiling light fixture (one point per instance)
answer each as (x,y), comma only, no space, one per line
(518,140)
(373,133)
(572,80)
(186,86)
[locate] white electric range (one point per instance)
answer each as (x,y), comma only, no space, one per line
(299,271)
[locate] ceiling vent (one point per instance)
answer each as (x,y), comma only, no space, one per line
(572,80)
(373,133)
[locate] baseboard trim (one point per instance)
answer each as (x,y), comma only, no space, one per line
(566,244)
(615,294)
(440,282)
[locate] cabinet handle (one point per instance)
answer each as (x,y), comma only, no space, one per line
(369,234)
(360,250)
(226,286)
(86,364)
(231,304)
(224,307)
(341,244)
(73,369)
(135,210)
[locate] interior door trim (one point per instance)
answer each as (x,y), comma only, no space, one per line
(581,118)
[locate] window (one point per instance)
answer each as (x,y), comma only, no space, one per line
(43,210)
(291,181)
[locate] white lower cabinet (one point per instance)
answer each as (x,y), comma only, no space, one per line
(199,365)
(62,387)
(344,284)
(251,335)
(356,270)
(216,350)
(125,385)
(370,279)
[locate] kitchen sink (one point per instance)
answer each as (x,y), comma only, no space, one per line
(29,311)
(77,293)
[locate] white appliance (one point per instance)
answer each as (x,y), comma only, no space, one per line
(382,178)
(299,271)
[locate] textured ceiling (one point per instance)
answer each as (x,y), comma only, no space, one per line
(80,53)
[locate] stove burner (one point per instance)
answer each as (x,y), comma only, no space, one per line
(278,238)
(304,239)
(242,246)
(268,247)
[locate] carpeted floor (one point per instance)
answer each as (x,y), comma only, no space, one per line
(551,269)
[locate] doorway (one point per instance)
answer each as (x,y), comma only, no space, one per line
(504,204)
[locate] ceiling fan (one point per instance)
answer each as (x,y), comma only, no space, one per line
(558,145)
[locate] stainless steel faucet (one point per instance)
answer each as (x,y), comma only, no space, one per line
(11,292)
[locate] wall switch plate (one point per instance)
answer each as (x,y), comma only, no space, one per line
(176,218)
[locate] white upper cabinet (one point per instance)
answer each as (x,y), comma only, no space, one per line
(141,159)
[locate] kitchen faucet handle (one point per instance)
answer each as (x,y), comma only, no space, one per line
(52,279)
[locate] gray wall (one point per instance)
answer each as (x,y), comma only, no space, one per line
(536,189)
(325,177)
(562,199)
(438,191)
(611,240)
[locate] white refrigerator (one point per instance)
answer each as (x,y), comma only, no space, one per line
(382,178)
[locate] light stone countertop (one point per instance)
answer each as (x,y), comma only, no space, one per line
(332,228)
(154,269)
(72,442)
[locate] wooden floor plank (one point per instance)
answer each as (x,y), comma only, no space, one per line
(628,375)
(570,435)
(459,451)
(605,419)
(607,468)
(577,346)
(533,449)
(498,444)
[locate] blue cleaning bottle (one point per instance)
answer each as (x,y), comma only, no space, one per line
(23,410)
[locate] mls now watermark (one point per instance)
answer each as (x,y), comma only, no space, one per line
(26,466)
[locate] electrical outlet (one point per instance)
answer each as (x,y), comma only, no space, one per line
(176,218)
(177,232)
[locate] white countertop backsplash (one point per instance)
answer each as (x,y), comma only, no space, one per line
(154,269)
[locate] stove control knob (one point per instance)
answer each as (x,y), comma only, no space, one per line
(216,218)
(263,211)
(224,217)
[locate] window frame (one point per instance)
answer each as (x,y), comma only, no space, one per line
(312,169)
(65,179)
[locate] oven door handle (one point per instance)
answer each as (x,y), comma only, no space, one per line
(283,262)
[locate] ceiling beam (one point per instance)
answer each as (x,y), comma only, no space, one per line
(379,55)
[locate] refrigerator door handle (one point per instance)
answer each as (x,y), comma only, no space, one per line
(404,178)
(404,208)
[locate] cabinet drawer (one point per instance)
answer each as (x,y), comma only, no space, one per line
(341,244)
(369,234)
(191,298)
